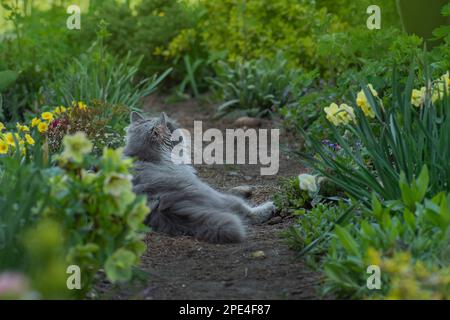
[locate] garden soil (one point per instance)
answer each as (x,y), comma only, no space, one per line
(262,267)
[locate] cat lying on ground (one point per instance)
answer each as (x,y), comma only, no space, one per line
(181,203)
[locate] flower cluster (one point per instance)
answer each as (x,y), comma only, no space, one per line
(338,115)
(9,141)
(23,136)
(440,88)
(344,114)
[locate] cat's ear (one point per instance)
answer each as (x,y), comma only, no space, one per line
(134,116)
(163,119)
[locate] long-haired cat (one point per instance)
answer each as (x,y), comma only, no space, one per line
(181,203)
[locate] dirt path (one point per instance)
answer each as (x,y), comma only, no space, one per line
(183,268)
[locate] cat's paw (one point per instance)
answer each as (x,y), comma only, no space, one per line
(263,212)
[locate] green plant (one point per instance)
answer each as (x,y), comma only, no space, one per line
(99,204)
(259,87)
(102,123)
(144,29)
(311,225)
(384,140)
(80,212)
(291,197)
(34,47)
(420,229)
(97,75)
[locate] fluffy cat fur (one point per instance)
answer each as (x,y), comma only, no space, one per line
(181,203)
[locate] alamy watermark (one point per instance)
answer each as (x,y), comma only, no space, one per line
(374,280)
(74,280)
(73,22)
(239,146)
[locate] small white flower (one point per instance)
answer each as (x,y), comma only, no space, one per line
(307,182)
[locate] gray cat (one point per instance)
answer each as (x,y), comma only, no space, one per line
(181,203)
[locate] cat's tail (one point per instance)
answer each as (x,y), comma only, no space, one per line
(221,227)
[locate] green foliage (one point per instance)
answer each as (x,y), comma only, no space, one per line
(400,138)
(97,75)
(144,30)
(386,231)
(311,225)
(260,87)
(291,197)
(70,214)
(37,45)
(7,78)
(255,29)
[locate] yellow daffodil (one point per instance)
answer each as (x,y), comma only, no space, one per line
(42,127)
(2,127)
(3,147)
(361,101)
(29,139)
(331,112)
(35,122)
(418,96)
(338,115)
(48,116)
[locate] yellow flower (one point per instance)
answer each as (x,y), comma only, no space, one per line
(3,147)
(35,122)
(2,127)
(59,110)
(29,139)
(338,115)
(361,101)
(48,116)
(9,138)
(42,127)
(22,128)
(331,112)
(82,106)
(418,96)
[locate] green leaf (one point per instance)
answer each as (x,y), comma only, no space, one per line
(422,184)
(347,241)
(409,219)
(118,266)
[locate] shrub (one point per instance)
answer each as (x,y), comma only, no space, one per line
(35,47)
(254,29)
(144,30)
(80,212)
(259,87)
(97,75)
(102,206)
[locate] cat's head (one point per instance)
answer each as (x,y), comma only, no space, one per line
(149,139)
